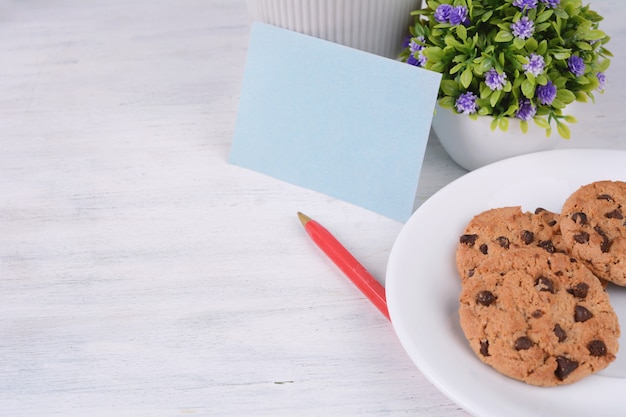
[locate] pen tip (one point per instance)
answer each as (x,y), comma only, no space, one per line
(304,219)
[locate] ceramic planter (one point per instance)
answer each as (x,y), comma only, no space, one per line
(472,144)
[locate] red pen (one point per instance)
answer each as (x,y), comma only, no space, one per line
(346,262)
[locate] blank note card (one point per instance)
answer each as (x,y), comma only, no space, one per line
(334,119)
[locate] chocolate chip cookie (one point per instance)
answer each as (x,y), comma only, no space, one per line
(496,231)
(593,226)
(540,318)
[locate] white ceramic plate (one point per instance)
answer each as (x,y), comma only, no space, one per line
(422,287)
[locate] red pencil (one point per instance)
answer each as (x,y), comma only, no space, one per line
(346,262)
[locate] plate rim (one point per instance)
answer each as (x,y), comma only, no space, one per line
(403,238)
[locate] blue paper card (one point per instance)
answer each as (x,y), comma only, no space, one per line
(334,119)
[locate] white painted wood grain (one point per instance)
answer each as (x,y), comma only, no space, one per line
(140,274)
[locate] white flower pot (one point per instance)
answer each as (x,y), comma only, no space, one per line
(375,26)
(472,144)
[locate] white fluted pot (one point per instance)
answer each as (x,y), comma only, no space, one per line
(375,26)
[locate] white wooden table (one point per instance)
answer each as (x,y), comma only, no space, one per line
(140,274)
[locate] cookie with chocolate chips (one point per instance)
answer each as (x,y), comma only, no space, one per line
(593,226)
(538,317)
(499,230)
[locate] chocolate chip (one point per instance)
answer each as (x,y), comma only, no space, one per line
(470,273)
(581,314)
(485,298)
(565,366)
(579,290)
(537,314)
(605,197)
(605,246)
(582,237)
(484,347)
(596,348)
(539,210)
(484,248)
(503,241)
(579,217)
(527,237)
(523,343)
(560,333)
(547,245)
(552,223)
(544,284)
(615,214)
(468,240)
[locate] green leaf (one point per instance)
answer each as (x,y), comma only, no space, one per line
(581,96)
(594,35)
(457,68)
(582,80)
(531,44)
(447,102)
(433,53)
(543,47)
(604,65)
(503,124)
(561,55)
(570,119)
(486,64)
(485,91)
(484,111)
(494,123)
(561,13)
(584,46)
(432,4)
(493,100)
(528,88)
(461,32)
(466,77)
(449,87)
(543,16)
(563,130)
(565,96)
(542,27)
(541,122)
(503,36)
(523,124)
(519,43)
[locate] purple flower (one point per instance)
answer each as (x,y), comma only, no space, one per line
(458,15)
(466,103)
(576,65)
(546,93)
(523,28)
(495,80)
(442,13)
(535,64)
(525,4)
(454,15)
(602,80)
(417,58)
(416,44)
(551,3)
(526,110)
